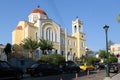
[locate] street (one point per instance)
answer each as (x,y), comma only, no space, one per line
(92,75)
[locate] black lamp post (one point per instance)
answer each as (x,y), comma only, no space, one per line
(107,68)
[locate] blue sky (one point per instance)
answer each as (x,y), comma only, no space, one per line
(93,13)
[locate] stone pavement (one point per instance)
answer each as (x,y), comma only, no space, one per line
(115,77)
(94,75)
(101,75)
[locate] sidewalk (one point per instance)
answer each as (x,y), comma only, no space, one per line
(94,76)
(115,77)
(101,75)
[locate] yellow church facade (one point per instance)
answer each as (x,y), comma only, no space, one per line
(40,26)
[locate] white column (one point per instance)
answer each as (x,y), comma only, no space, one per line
(66,44)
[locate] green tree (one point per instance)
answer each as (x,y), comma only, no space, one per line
(92,60)
(44,58)
(16,50)
(56,58)
(102,54)
(8,50)
(52,58)
(113,58)
(45,45)
(30,45)
(118,18)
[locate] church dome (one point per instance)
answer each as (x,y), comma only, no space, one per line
(38,10)
(19,28)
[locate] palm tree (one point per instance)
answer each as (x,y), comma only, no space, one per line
(118,18)
(30,45)
(45,45)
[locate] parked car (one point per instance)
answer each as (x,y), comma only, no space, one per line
(113,67)
(42,69)
(86,66)
(99,66)
(8,72)
(68,67)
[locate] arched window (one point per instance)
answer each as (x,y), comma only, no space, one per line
(50,35)
(55,37)
(75,29)
(79,28)
(43,34)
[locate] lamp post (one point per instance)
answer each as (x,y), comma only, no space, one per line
(107,68)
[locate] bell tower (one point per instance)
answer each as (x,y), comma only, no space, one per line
(77,26)
(77,32)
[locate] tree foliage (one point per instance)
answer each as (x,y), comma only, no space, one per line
(8,48)
(102,54)
(56,58)
(118,18)
(16,47)
(44,58)
(111,57)
(52,58)
(92,60)
(30,45)
(45,45)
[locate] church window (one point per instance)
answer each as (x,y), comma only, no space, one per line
(75,29)
(55,37)
(74,43)
(69,43)
(82,36)
(62,40)
(79,28)
(36,35)
(30,19)
(50,35)
(35,18)
(46,34)
(82,44)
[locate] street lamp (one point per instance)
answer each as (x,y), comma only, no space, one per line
(107,68)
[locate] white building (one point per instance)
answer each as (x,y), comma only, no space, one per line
(115,49)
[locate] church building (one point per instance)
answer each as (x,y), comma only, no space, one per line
(40,26)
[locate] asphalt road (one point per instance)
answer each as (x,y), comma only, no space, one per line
(92,75)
